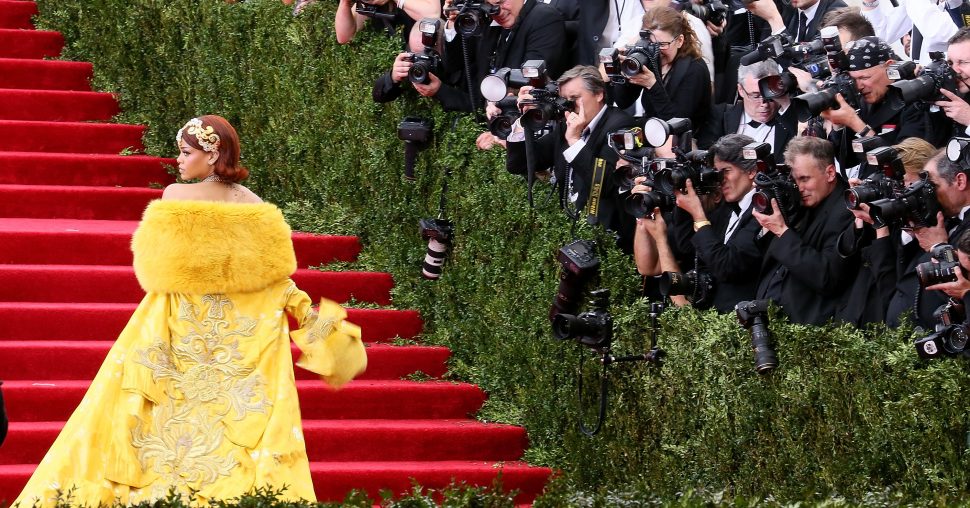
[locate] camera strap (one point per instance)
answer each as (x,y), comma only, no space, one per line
(593,203)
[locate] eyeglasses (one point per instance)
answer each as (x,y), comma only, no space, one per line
(662,44)
(752,96)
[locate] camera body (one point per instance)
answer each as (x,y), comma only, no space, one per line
(697,287)
(438,233)
(776,183)
(840,82)
(423,65)
(578,265)
(642,204)
(753,316)
(643,53)
(501,124)
(473,16)
(593,328)
(610,58)
(809,56)
(548,106)
(950,334)
(711,11)
(916,206)
(936,76)
(695,166)
(943,270)
(874,187)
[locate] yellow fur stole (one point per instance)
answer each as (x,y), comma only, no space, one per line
(204,247)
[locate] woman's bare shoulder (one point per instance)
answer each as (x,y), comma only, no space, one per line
(175,191)
(247,196)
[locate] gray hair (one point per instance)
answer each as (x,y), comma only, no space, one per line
(817,148)
(758,70)
(945,168)
(728,149)
(590,76)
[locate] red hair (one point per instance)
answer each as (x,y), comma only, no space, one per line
(227,166)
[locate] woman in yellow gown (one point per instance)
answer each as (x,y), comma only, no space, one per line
(198,394)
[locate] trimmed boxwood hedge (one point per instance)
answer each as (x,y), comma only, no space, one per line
(852,415)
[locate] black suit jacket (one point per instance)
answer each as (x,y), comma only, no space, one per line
(726,119)
(593,15)
(734,264)
(814,275)
(548,153)
(686,93)
(891,124)
(539,34)
(571,16)
(815,25)
(872,286)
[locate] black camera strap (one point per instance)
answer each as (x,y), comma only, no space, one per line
(596,191)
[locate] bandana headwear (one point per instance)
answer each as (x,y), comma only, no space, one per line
(206,136)
(867,52)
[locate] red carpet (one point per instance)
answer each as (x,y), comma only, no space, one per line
(69,202)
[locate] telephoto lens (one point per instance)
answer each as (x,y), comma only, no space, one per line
(438,233)
(753,315)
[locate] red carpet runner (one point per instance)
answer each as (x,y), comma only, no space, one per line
(68,205)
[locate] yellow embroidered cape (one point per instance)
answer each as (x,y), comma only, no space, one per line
(198,391)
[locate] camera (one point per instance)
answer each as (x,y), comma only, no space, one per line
(473,17)
(956,151)
(496,86)
(610,58)
(813,103)
(643,53)
(697,287)
(915,206)
(695,166)
(416,134)
(776,183)
(884,182)
(593,328)
(501,124)
(936,76)
(949,335)
(578,265)
(382,12)
(753,315)
(438,233)
(809,56)
(429,61)
(548,107)
(944,269)
(712,11)
(642,204)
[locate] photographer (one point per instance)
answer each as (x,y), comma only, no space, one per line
(576,146)
(956,107)
(390,85)
(960,288)
(683,87)
(724,240)
(520,32)
(761,119)
(869,59)
(802,20)
(952,187)
(347,21)
(803,271)
(880,249)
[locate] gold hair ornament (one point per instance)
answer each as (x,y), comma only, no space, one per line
(206,136)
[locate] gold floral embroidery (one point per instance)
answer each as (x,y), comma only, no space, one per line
(183,442)
(321,328)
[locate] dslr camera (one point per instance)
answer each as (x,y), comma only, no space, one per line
(428,61)
(593,328)
(950,334)
(914,206)
(697,287)
(944,269)
(438,233)
(501,124)
(713,11)
(695,166)
(885,182)
(753,315)
(578,265)
(809,56)
(610,58)
(548,106)
(773,182)
(812,104)
(642,204)
(936,76)
(473,16)
(643,53)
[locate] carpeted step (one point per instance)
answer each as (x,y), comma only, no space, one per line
(17,43)
(326,440)
(107,242)
(40,168)
(39,401)
(17,14)
(45,74)
(333,480)
(104,321)
(117,284)
(56,105)
(69,137)
(75,202)
(80,360)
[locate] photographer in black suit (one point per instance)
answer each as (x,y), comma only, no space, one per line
(724,241)
(576,147)
(801,19)
(803,271)
(521,32)
(764,120)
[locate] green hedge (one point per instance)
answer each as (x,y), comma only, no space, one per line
(850,414)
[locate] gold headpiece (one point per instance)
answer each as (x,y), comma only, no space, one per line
(206,136)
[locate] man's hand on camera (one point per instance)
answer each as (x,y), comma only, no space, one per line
(956,108)
(654,225)
(930,236)
(690,203)
(430,89)
(844,115)
(775,223)
(715,30)
(525,94)
(575,123)
(955,289)
(402,64)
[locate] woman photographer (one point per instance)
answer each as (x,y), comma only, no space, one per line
(683,89)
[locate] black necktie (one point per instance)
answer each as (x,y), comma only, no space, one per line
(802,26)
(755,124)
(736,207)
(950,223)
(585,135)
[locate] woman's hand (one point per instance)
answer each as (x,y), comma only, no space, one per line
(645,78)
